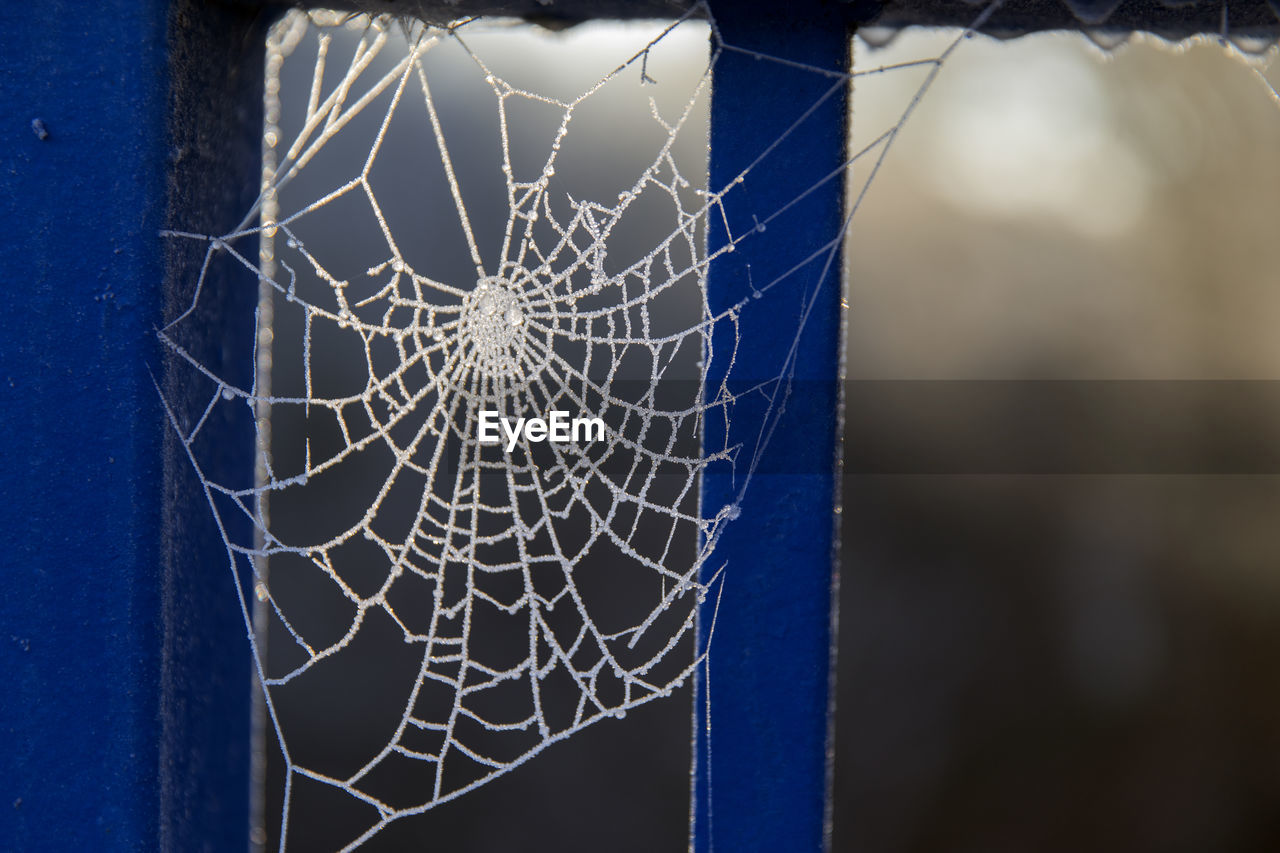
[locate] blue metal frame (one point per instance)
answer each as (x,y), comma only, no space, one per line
(80,586)
(124,705)
(761,755)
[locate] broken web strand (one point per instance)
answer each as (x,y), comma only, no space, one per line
(472,363)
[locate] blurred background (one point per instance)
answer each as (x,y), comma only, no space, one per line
(1081,659)
(1056,645)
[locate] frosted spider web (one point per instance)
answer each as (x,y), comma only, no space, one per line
(488,581)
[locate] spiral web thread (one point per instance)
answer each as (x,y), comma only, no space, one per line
(551,321)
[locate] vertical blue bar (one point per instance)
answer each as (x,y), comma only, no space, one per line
(124,683)
(762,754)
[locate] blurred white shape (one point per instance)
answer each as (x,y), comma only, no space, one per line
(1025,128)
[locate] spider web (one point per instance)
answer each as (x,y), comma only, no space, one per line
(490,581)
(486,582)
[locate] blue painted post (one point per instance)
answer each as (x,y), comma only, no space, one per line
(762,764)
(125,693)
